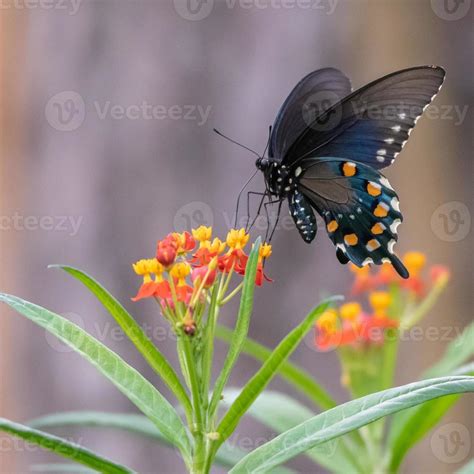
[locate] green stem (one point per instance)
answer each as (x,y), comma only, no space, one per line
(197,430)
(209,347)
(231,294)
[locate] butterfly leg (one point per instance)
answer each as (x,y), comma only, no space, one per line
(268,238)
(254,193)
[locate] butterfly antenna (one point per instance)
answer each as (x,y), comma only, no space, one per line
(236,143)
(268,141)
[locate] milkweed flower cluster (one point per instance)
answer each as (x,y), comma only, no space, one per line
(365,331)
(394,303)
(350,325)
(417,285)
(188,267)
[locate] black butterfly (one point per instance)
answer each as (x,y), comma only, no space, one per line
(326,147)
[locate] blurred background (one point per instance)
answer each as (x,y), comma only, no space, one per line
(91,177)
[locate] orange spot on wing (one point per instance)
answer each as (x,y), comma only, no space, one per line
(349,169)
(351,239)
(381,210)
(373,244)
(377,229)
(374,189)
(332,226)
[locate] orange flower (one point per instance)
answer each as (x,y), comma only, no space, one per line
(363,280)
(355,328)
(157,287)
(167,251)
(185,242)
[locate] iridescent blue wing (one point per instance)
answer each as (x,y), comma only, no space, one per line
(311,96)
(359,207)
(372,124)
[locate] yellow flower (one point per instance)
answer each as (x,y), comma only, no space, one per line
(350,311)
(265,251)
(237,239)
(415,262)
(327,322)
(180,271)
(146,266)
(216,246)
(380,301)
(202,233)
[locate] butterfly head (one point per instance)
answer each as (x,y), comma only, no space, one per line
(262,164)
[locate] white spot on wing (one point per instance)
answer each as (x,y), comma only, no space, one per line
(367,261)
(396,128)
(395,204)
(298,171)
(391,245)
(384,182)
(394,225)
(389,140)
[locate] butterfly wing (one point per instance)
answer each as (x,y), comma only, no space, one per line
(372,124)
(316,92)
(359,207)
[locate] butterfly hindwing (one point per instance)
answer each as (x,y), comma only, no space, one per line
(359,207)
(372,124)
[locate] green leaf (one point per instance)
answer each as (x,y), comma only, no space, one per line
(457,353)
(133,423)
(62,468)
(411,426)
(265,374)
(128,380)
(62,447)
(348,417)
(280,413)
(135,333)
(241,327)
(297,377)
(227,455)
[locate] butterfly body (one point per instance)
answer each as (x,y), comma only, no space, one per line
(329,161)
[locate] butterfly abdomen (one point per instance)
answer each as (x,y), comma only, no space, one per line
(303,216)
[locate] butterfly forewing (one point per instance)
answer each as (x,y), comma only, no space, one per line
(311,96)
(372,124)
